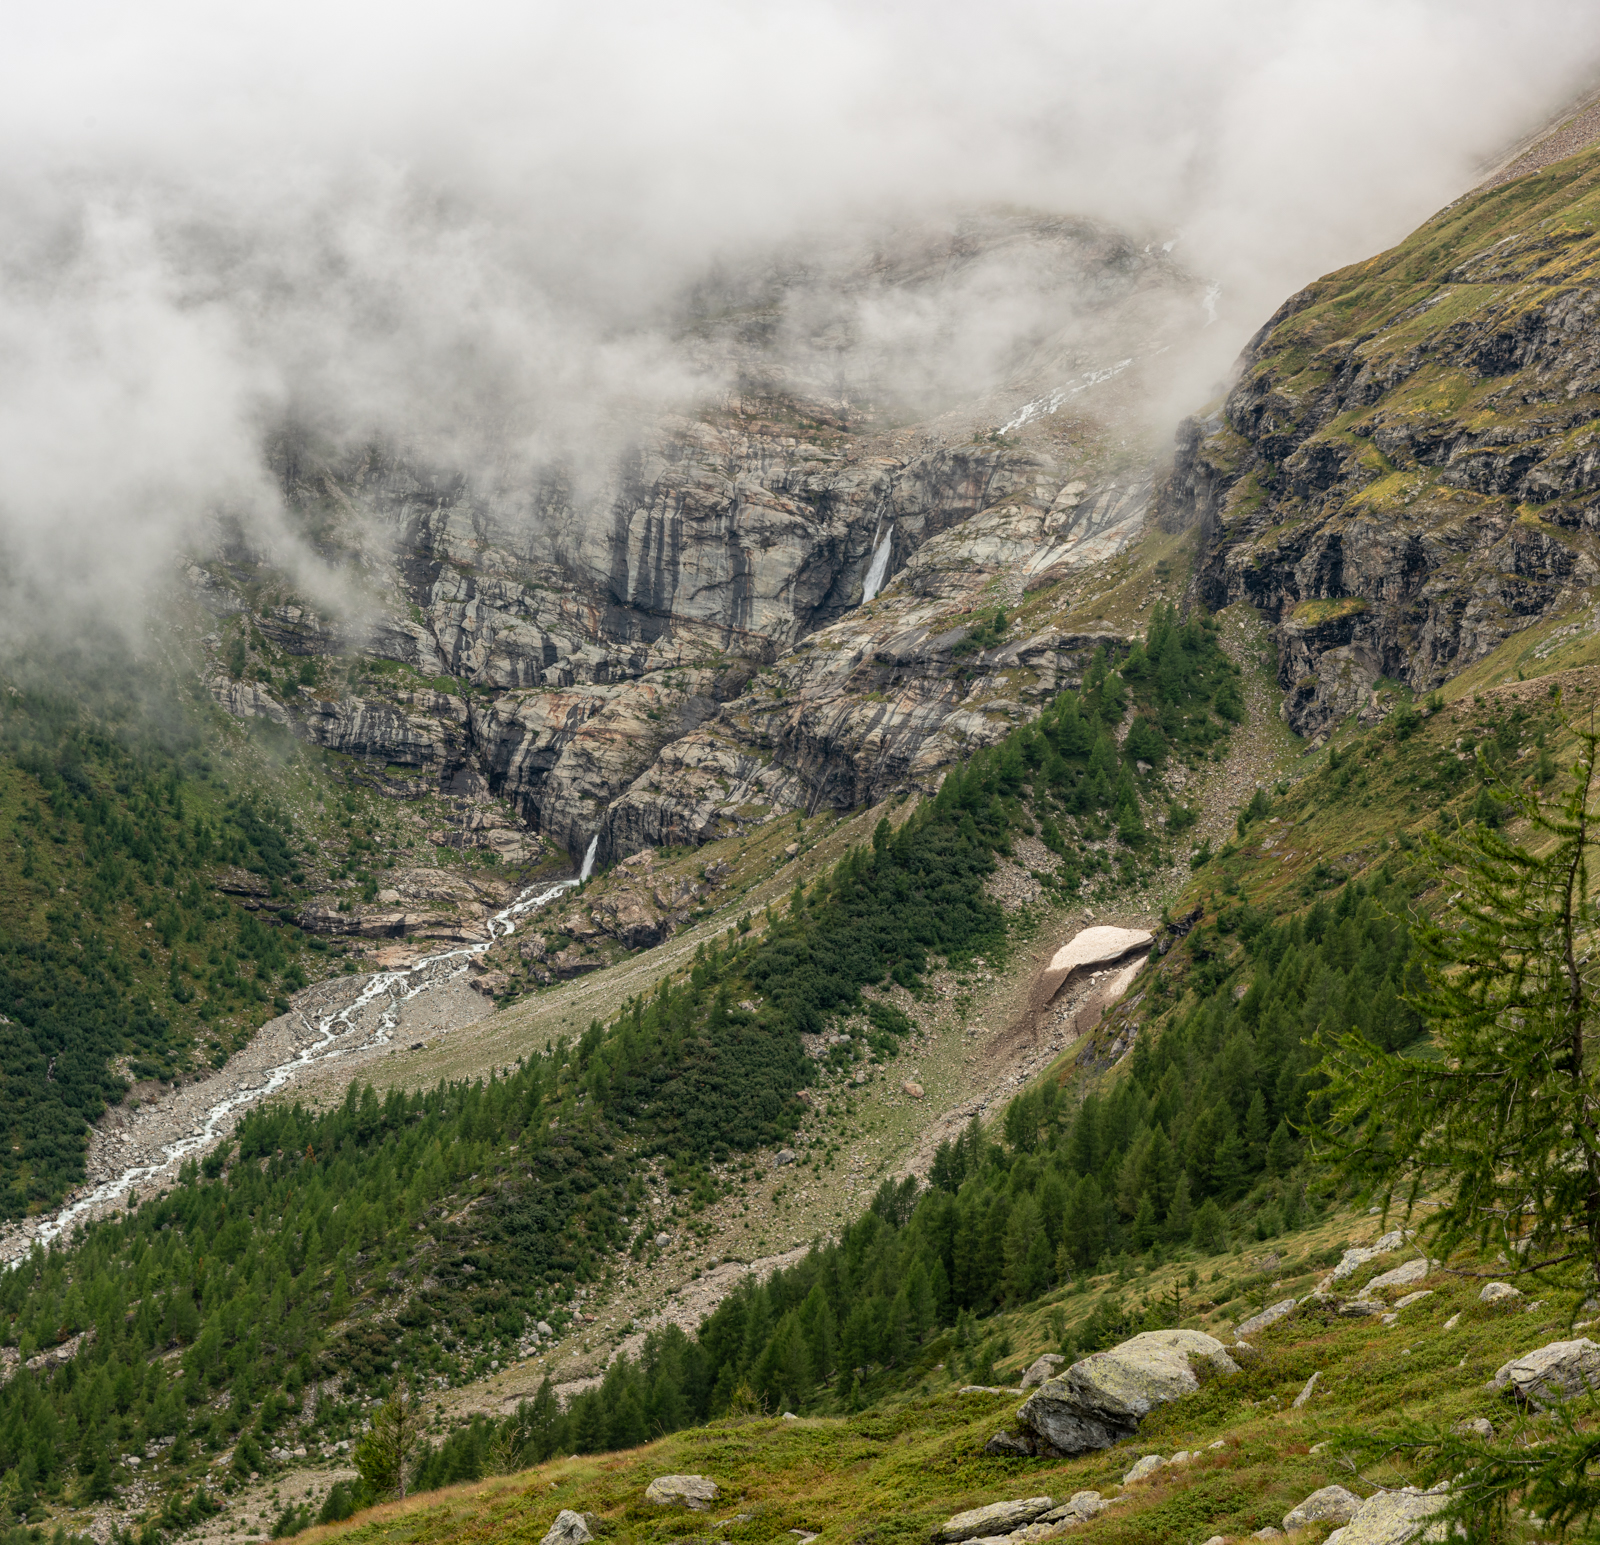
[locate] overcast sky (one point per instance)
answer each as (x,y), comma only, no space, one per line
(416,219)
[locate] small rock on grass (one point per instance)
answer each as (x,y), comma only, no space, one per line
(1148,1465)
(691,1491)
(1268,1316)
(569,1529)
(1306,1393)
(1499,1293)
(1474,1427)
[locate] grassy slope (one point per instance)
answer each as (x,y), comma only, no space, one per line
(898,1469)
(914,1459)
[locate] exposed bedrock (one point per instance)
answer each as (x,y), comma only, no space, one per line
(1407,471)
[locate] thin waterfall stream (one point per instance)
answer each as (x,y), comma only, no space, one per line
(337,1036)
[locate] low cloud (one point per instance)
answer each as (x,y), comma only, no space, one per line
(473,229)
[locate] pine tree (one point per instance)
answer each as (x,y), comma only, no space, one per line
(1503,1127)
(383,1454)
(1502,1130)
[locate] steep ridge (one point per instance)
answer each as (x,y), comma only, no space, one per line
(1403,475)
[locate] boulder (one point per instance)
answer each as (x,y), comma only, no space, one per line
(1268,1533)
(1330,1503)
(996,1518)
(1144,1467)
(1102,1398)
(1401,1276)
(1392,1518)
(1355,1258)
(913,1088)
(1552,1373)
(1474,1427)
(569,1529)
(1008,1444)
(1307,1391)
(1355,1308)
(544,1329)
(1268,1316)
(1499,1293)
(1413,1298)
(691,1491)
(1042,1368)
(1079,1508)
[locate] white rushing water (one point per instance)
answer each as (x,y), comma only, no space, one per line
(873,583)
(337,1037)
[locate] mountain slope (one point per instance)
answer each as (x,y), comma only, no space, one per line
(1405,473)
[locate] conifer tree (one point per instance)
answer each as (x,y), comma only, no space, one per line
(1502,1128)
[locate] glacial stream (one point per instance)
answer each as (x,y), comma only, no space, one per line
(337,1037)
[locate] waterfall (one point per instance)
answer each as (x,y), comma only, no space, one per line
(588,859)
(873,583)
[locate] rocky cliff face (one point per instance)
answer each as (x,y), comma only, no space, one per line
(760,607)
(1405,472)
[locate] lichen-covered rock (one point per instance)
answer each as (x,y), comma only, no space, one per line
(1079,1508)
(1041,1368)
(569,1529)
(1358,1255)
(1499,1293)
(1268,1316)
(996,1518)
(1102,1398)
(1333,1503)
(1142,1468)
(691,1491)
(1553,1373)
(1393,1518)
(1401,1276)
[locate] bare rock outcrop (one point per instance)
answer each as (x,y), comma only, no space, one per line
(1102,1398)
(1386,529)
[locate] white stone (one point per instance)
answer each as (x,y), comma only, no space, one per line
(1391,1518)
(1413,1298)
(1268,1316)
(1499,1293)
(1330,1503)
(1355,1258)
(1143,1467)
(691,1491)
(998,1518)
(1306,1393)
(569,1529)
(1401,1276)
(1553,1373)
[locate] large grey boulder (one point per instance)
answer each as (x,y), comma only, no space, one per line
(1101,1399)
(1330,1503)
(1553,1373)
(569,1529)
(1268,1316)
(691,1491)
(1393,1518)
(996,1518)
(1499,1293)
